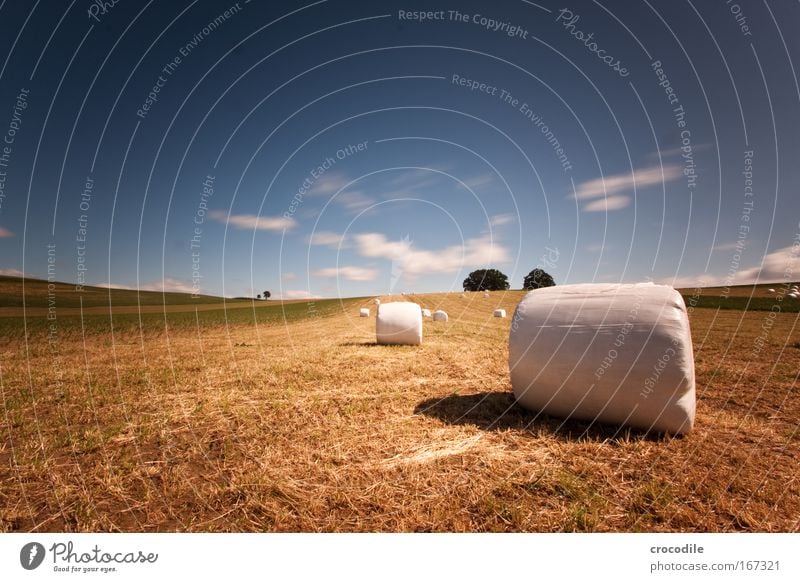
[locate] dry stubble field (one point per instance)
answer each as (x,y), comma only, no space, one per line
(310,426)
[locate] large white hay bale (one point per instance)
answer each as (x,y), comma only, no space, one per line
(426,313)
(771,290)
(499,312)
(364,312)
(399,322)
(619,354)
(376,301)
(440,315)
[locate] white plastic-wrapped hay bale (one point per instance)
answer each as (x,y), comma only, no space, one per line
(376,301)
(399,323)
(440,315)
(771,290)
(499,312)
(426,313)
(619,354)
(363,312)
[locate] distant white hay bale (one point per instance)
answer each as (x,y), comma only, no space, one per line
(426,313)
(364,312)
(440,315)
(399,322)
(794,294)
(463,294)
(376,301)
(499,312)
(771,290)
(619,354)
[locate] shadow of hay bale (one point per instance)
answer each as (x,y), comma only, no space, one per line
(498,411)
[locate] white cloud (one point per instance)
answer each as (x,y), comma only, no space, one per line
(606,204)
(410,261)
(778,266)
(12,273)
(478,181)
(5,233)
(297,294)
(355,201)
(328,184)
(501,219)
(326,238)
(613,185)
(168,284)
(251,221)
(349,273)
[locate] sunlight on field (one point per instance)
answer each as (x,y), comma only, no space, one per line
(302,422)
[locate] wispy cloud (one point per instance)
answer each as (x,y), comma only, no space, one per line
(474,252)
(169,284)
(289,276)
(501,219)
(354,201)
(617,183)
(606,191)
(326,238)
(606,204)
(478,181)
(349,273)
(252,221)
(296,294)
(328,184)
(5,233)
(613,186)
(12,273)
(773,268)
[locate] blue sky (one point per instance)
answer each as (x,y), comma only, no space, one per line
(355,149)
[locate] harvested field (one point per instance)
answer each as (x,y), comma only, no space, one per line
(306,424)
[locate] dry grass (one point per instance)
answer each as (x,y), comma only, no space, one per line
(313,427)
